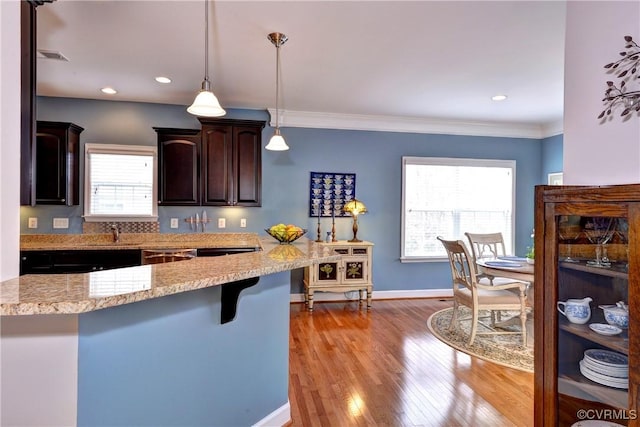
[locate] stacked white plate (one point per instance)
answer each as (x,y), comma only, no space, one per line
(606,367)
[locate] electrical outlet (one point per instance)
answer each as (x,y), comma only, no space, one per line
(243,222)
(174,222)
(60,222)
(222,223)
(33,222)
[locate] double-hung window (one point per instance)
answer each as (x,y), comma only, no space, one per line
(448,197)
(120,183)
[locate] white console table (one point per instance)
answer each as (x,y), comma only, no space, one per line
(351,273)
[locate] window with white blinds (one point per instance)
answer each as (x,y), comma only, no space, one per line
(448,197)
(120,182)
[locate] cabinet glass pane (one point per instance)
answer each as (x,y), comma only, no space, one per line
(593,351)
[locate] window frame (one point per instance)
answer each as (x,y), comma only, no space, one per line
(119,149)
(452,161)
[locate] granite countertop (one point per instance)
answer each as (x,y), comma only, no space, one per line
(79,293)
(37,242)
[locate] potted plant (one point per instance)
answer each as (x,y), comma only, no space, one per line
(530,255)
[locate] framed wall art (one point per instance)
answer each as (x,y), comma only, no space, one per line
(555,178)
(328,193)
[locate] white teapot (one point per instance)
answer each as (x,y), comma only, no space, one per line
(576,310)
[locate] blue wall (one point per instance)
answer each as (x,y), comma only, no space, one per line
(374,156)
(169,361)
(552,160)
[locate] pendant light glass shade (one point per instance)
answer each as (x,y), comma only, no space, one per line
(277,142)
(206,103)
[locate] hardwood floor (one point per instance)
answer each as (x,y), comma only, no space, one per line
(350,367)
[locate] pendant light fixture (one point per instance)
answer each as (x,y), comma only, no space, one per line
(206,104)
(277,142)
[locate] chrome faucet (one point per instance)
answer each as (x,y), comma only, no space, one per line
(116,233)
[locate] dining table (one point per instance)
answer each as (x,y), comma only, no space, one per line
(516,268)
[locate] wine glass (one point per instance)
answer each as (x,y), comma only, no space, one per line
(622,230)
(569,233)
(599,231)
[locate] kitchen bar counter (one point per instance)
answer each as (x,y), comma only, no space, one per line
(33,294)
(203,341)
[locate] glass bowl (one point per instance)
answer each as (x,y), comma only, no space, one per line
(286,236)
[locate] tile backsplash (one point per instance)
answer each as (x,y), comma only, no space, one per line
(124,227)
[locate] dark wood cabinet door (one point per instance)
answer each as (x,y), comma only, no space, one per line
(77,261)
(57,159)
(217,165)
(247,165)
(231,162)
(178,175)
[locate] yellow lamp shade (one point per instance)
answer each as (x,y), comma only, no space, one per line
(355,207)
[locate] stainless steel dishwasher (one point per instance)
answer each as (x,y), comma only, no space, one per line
(159,256)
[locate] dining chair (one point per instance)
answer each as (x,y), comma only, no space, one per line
(488,246)
(478,297)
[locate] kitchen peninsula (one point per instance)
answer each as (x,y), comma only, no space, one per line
(146,345)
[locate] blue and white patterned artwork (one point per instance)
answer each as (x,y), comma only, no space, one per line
(329,192)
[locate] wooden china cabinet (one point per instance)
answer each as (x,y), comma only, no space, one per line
(587,244)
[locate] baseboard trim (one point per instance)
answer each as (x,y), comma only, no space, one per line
(279,417)
(400,294)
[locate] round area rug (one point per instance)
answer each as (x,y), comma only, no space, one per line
(506,350)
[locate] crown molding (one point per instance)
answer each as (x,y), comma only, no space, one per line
(553,129)
(316,120)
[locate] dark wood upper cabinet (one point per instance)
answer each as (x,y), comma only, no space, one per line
(28,27)
(27,100)
(231,162)
(57,163)
(178,166)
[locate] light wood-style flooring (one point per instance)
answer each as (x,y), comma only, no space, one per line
(383,367)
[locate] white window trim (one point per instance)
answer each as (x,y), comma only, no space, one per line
(143,150)
(453,161)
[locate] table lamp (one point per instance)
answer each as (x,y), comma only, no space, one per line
(355,207)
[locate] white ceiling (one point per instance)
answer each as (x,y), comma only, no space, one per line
(422,60)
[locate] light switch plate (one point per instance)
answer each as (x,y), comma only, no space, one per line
(243,222)
(222,223)
(174,222)
(60,222)
(33,222)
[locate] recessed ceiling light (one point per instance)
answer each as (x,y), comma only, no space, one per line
(109,90)
(161,79)
(499,97)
